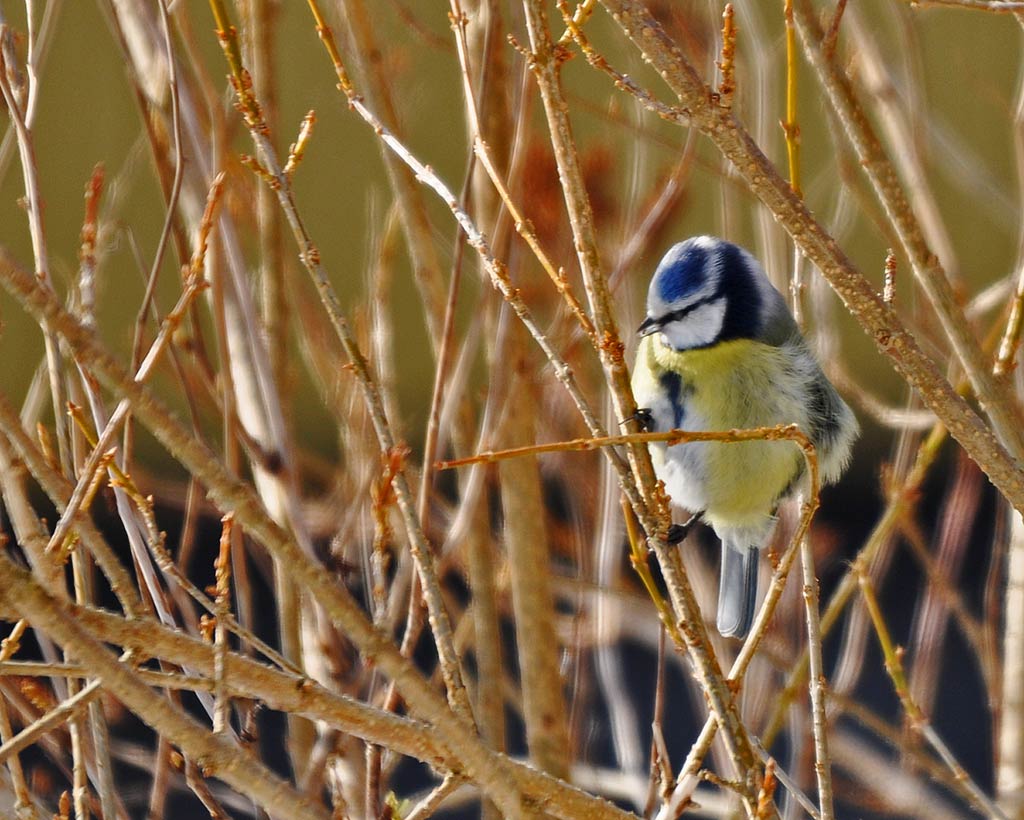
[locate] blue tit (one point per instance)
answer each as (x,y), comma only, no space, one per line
(721,350)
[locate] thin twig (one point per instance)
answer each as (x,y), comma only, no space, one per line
(727,84)
(59,715)
(412,208)
(60,490)
(522,224)
(577,20)
(791,129)
(222,567)
(828,43)
(194,285)
(686,782)
(1004,363)
(529,558)
(156,679)
(790,126)
(30,176)
(818,684)
(791,785)
(996,6)
(781,432)
(900,498)
(917,719)
(432,802)
(14,763)
(172,204)
(623,81)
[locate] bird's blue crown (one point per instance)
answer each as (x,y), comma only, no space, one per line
(681,272)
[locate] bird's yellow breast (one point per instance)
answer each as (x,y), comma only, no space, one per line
(735,384)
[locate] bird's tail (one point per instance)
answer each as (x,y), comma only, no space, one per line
(737,589)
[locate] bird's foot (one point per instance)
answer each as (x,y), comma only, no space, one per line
(642,417)
(677,532)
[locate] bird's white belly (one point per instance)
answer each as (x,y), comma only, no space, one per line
(683,474)
(682,467)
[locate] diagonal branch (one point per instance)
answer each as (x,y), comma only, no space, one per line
(878,319)
(232,494)
(1005,416)
(216,754)
(544,62)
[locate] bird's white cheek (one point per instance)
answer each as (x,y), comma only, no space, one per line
(700,328)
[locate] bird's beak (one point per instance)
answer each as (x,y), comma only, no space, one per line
(648,326)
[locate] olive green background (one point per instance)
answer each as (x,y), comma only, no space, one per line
(968,63)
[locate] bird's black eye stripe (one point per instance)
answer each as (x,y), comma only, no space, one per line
(682,313)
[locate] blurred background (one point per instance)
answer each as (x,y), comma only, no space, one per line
(942,86)
(950,76)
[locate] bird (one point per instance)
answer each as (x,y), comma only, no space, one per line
(720,350)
